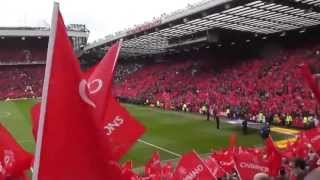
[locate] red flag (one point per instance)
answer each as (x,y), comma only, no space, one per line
(35,112)
(225,160)
(116,126)
(127,165)
(67,142)
(127,172)
(14,160)
(119,129)
(311,81)
(313,135)
(167,171)
(153,166)
(233,140)
(249,164)
(95,89)
(274,157)
(214,167)
(190,167)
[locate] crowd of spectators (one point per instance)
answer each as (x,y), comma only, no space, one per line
(21,81)
(122,70)
(22,50)
(256,88)
(25,55)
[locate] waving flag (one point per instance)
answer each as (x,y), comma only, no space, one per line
(225,159)
(214,167)
(95,89)
(274,157)
(249,164)
(167,171)
(153,166)
(190,167)
(14,160)
(67,143)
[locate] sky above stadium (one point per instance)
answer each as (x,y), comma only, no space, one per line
(102,17)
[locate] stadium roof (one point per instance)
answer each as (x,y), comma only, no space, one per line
(250,16)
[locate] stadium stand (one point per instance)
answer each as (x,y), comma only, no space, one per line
(22,58)
(22,64)
(21,81)
(251,86)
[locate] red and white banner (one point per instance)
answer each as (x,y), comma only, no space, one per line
(190,167)
(214,167)
(225,159)
(249,164)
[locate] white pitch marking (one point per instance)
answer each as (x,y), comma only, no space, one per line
(5,114)
(160,148)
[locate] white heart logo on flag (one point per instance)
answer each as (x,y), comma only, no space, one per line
(92,86)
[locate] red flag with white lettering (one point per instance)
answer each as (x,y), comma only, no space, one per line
(190,167)
(225,159)
(67,142)
(214,167)
(14,160)
(249,164)
(119,128)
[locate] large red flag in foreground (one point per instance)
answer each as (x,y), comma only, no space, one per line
(190,167)
(14,160)
(68,146)
(118,131)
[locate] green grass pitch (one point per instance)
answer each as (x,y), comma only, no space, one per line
(175,131)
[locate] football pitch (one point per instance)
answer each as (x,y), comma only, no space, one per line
(169,133)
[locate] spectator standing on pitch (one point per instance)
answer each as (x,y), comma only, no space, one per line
(218,122)
(208,113)
(244,126)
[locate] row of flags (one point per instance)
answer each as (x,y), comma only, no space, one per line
(244,162)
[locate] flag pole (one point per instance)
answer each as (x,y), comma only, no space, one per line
(45,88)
